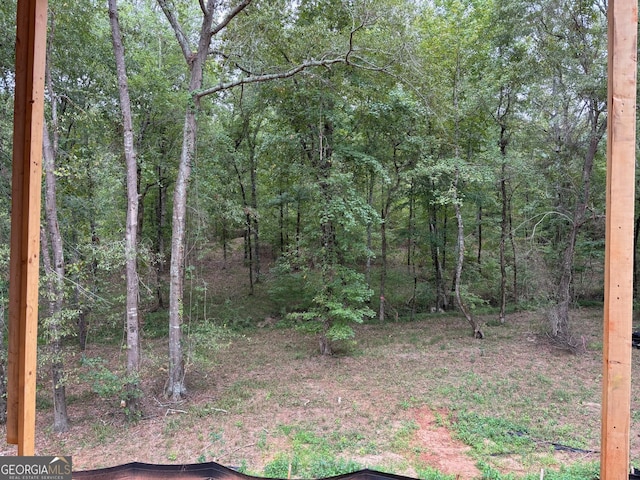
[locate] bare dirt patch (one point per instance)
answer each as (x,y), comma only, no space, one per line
(440,449)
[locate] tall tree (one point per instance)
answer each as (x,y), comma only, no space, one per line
(131,229)
(55,270)
(503,86)
(53,257)
(196,61)
(572,43)
(241,75)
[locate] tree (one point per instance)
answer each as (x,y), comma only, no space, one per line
(453,51)
(54,264)
(131,229)
(505,84)
(196,61)
(571,42)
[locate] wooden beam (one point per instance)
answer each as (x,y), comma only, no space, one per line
(31,32)
(618,295)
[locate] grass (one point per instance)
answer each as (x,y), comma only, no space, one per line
(263,400)
(311,455)
(489,436)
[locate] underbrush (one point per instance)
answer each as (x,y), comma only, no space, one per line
(262,398)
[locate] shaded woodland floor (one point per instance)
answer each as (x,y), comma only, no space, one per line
(403,397)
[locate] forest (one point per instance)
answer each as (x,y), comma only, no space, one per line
(371,161)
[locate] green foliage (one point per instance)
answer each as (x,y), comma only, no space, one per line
(204,339)
(108,384)
(329,467)
(340,302)
(292,289)
(404,435)
(324,153)
(577,471)
(311,456)
(492,436)
(279,467)
(430,473)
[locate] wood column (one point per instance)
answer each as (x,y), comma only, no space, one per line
(618,295)
(31,32)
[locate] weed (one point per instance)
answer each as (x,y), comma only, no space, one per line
(243,467)
(370,448)
(237,393)
(492,436)
(404,435)
(561,396)
(324,467)
(543,379)
(262,441)
(103,432)
(347,440)
(171,425)
(282,466)
(430,473)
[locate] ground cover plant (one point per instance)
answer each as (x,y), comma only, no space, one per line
(419,398)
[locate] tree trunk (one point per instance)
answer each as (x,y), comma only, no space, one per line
(442,302)
(477,332)
(131,229)
(253,168)
(504,227)
(479,252)
(559,314)
(176,386)
(281,222)
(370,187)
(328,256)
(161,221)
(248,221)
(514,258)
(383,261)
(411,227)
(324,342)
(52,239)
(248,248)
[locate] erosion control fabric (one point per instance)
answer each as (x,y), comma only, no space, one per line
(211,470)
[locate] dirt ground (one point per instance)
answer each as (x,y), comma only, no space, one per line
(380,401)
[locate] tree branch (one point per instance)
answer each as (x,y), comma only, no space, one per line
(351,35)
(227,58)
(177,29)
(230,16)
(203,8)
(269,76)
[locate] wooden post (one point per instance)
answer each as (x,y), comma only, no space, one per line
(31,32)
(618,295)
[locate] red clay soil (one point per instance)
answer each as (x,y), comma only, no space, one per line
(440,450)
